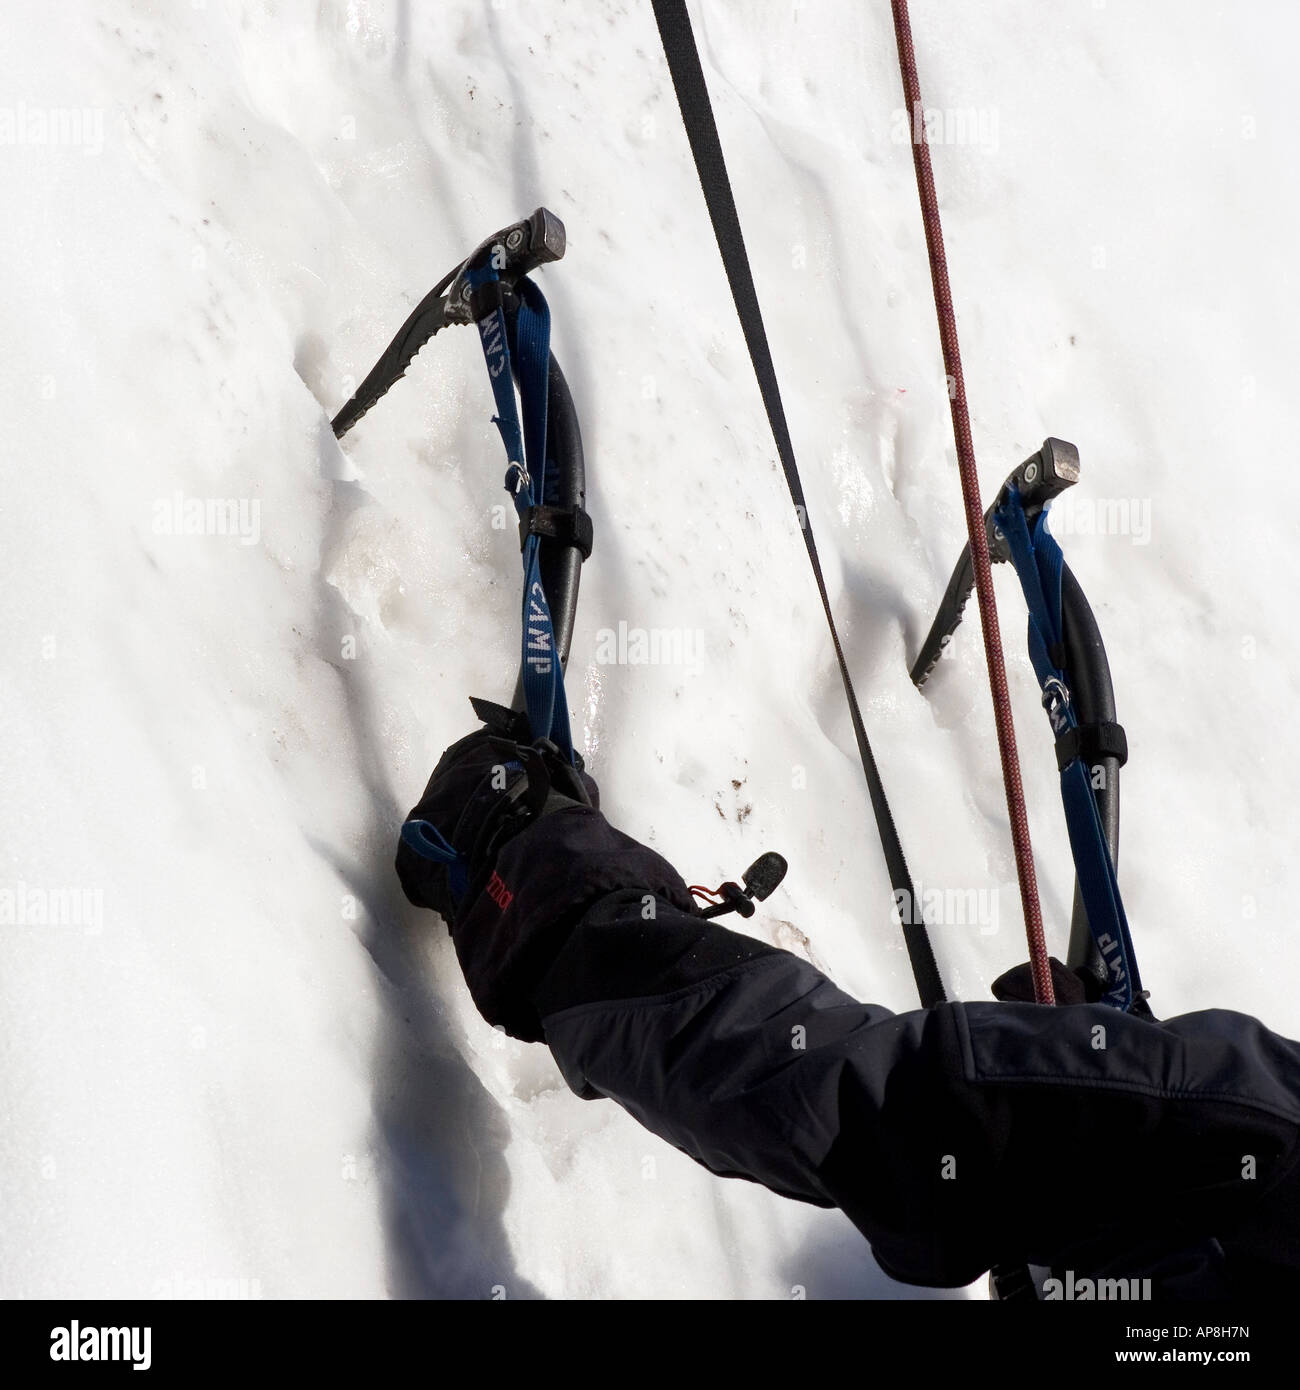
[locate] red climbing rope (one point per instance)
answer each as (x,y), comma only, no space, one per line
(970,491)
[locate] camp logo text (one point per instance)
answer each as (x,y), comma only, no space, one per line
(538,647)
(492,332)
(179,515)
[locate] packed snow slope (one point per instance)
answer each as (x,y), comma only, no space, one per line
(234,1061)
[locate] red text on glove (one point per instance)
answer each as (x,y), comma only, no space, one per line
(498,892)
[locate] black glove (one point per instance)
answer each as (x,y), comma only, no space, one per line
(1016,986)
(485,789)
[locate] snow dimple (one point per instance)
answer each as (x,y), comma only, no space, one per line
(856,495)
(795,940)
(365,569)
(593,718)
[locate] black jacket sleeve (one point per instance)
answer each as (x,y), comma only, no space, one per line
(954,1138)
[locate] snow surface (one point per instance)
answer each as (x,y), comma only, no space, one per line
(250,1069)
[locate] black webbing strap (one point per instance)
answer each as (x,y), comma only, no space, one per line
(1090,742)
(697,115)
(568,525)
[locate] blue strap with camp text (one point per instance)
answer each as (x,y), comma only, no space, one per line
(519,344)
(1039,564)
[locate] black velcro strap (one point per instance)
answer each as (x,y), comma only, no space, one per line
(502,721)
(485,299)
(1090,742)
(568,525)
